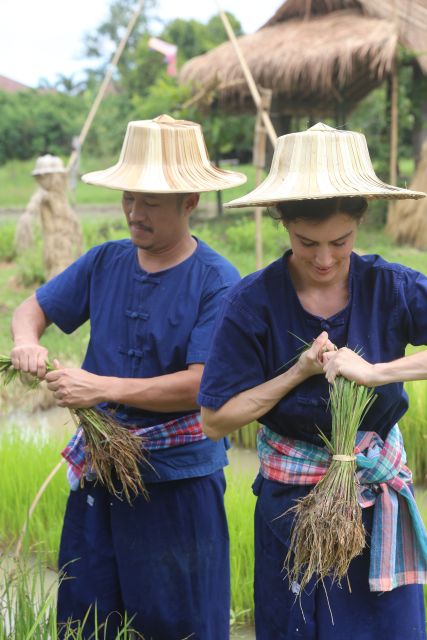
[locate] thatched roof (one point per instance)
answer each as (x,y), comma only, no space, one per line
(313,54)
(409,16)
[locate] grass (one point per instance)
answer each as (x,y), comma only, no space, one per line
(26,461)
(18,184)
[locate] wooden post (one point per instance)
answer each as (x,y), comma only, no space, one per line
(104,85)
(259,152)
(394,132)
(394,124)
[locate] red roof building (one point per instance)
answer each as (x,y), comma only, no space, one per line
(11,86)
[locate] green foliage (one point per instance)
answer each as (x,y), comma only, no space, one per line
(7,237)
(34,123)
(194,38)
(165,95)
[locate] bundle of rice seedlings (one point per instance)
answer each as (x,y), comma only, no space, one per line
(328,531)
(113,453)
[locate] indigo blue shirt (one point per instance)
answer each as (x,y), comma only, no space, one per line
(256,334)
(144,325)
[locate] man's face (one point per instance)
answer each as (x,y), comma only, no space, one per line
(157,221)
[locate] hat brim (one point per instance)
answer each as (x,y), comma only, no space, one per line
(257,198)
(41,173)
(129,178)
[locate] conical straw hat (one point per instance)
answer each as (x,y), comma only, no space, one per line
(321,162)
(164,155)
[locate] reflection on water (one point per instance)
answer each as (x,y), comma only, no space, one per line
(242,633)
(244,460)
(54,421)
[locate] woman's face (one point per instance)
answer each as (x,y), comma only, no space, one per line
(321,250)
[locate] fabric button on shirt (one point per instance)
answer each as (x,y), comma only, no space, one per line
(144,325)
(262,327)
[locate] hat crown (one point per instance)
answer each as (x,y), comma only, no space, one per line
(320,126)
(164,155)
(321,162)
(48,164)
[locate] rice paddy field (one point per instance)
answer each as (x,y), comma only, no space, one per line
(28,454)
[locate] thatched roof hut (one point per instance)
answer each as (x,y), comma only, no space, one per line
(316,55)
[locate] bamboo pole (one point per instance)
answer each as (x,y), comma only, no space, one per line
(102,89)
(260,140)
(394,128)
(248,76)
(394,115)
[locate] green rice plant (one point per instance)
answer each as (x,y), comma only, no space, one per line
(27,606)
(7,239)
(328,531)
(113,453)
(413,427)
(240,505)
(246,436)
(25,461)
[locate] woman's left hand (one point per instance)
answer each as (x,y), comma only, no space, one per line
(74,388)
(345,362)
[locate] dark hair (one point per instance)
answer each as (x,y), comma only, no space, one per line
(319,210)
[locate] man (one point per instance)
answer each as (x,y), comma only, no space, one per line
(151,302)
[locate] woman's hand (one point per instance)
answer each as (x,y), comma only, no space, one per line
(311,361)
(75,388)
(345,362)
(30,358)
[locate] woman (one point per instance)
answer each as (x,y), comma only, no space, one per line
(322,293)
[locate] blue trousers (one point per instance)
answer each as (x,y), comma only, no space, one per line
(359,615)
(164,562)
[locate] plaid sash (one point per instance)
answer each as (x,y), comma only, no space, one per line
(398,539)
(173,433)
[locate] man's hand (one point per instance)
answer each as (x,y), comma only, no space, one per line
(30,358)
(75,388)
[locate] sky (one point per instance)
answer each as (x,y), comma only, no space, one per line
(43,38)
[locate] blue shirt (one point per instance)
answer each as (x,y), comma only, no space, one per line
(144,325)
(256,334)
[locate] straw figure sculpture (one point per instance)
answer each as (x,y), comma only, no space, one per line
(27,222)
(407,220)
(62,236)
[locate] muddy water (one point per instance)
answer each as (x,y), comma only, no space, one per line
(242,633)
(55,421)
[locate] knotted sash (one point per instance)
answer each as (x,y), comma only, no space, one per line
(398,540)
(173,433)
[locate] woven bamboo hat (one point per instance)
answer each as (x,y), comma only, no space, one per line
(321,162)
(164,155)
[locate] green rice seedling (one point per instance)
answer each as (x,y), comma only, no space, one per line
(240,504)
(25,461)
(113,452)
(28,611)
(328,531)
